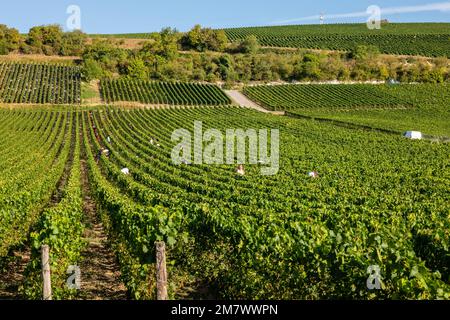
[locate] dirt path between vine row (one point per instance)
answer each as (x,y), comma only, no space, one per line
(241,100)
(11,277)
(100,275)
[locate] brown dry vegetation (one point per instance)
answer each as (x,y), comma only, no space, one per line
(38,58)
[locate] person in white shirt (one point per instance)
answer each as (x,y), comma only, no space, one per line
(106,152)
(240,170)
(313,174)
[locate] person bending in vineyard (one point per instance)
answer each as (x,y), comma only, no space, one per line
(154,141)
(97,136)
(240,170)
(185,162)
(99,155)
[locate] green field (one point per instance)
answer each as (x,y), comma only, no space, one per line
(420,107)
(370,206)
(169,93)
(427,39)
(39,83)
(311,96)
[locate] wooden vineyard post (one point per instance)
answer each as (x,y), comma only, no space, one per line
(161,271)
(46,277)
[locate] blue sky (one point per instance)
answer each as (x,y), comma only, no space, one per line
(102,16)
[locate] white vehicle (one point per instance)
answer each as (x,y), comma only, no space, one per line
(413,135)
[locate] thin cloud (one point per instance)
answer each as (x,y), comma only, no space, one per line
(441,6)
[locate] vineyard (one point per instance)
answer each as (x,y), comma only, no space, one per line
(431,114)
(39,83)
(271,165)
(40,191)
(318,231)
(408,39)
(354,96)
(399,108)
(165,93)
(257,237)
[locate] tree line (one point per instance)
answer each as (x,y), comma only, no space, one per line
(49,40)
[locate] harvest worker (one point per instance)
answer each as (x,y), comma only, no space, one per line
(313,174)
(184,161)
(240,170)
(99,155)
(105,152)
(154,141)
(97,136)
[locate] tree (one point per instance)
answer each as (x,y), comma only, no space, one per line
(202,39)
(3,47)
(249,45)
(9,39)
(193,39)
(169,42)
(363,52)
(159,50)
(137,69)
(226,69)
(45,39)
(73,43)
(309,68)
(219,41)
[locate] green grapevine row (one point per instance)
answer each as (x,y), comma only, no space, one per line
(409,39)
(35,155)
(294,97)
(430,114)
(286,236)
(39,83)
(61,227)
(171,93)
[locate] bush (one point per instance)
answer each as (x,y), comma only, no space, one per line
(249,45)
(92,70)
(3,48)
(364,52)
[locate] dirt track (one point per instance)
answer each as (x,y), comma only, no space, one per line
(241,100)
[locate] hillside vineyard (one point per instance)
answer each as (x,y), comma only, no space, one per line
(171,93)
(373,187)
(408,39)
(39,83)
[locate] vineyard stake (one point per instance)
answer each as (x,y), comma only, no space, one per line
(47,284)
(161,271)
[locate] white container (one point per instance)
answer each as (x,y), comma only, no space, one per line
(413,135)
